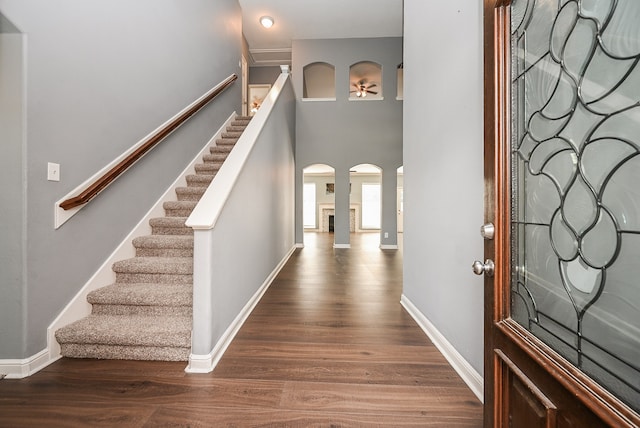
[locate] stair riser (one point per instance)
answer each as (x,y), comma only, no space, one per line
(199,180)
(163,230)
(161,278)
(169,311)
(164,252)
(215,158)
(220,149)
(208,168)
(226,142)
(231,134)
(184,212)
(115,352)
(190,196)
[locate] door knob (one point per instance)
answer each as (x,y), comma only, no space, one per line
(487,268)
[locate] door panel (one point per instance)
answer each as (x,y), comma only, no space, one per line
(562,167)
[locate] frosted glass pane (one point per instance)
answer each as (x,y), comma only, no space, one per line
(576,191)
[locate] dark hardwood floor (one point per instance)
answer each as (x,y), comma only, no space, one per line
(329,345)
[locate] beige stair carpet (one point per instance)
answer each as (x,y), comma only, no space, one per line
(147,313)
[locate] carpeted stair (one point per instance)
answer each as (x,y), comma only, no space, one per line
(147,313)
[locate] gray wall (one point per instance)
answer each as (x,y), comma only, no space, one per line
(443,169)
(345,133)
(263,75)
(12,190)
(101,76)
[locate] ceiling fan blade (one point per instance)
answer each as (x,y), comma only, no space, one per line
(372,92)
(373,85)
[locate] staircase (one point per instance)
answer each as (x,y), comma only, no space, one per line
(147,313)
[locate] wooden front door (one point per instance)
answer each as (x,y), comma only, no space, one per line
(562,188)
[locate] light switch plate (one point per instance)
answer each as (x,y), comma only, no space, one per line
(53,171)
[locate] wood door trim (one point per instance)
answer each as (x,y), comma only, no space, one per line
(496,205)
(591,394)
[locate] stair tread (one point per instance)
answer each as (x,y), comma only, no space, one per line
(129,330)
(143,295)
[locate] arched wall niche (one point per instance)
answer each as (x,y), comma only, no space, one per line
(365,81)
(319,81)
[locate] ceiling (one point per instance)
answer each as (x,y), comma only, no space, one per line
(314,19)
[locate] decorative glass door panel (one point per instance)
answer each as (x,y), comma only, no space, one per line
(576,183)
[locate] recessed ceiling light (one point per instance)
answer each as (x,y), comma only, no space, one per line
(266,21)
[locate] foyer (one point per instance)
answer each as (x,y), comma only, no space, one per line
(328,345)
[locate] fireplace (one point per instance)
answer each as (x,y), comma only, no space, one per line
(327,217)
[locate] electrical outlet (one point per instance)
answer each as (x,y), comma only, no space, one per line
(53,171)
(386,234)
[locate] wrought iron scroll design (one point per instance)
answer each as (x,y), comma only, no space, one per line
(576,183)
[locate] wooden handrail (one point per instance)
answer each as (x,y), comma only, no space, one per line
(108,177)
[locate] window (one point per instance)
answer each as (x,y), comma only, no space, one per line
(309,205)
(371,205)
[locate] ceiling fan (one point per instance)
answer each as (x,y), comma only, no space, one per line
(362,89)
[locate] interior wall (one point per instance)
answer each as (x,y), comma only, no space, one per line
(12,190)
(101,76)
(263,75)
(344,133)
(443,168)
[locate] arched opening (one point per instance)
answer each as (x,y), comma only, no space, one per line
(318,198)
(366,199)
(365,81)
(319,81)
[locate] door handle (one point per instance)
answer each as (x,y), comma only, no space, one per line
(487,268)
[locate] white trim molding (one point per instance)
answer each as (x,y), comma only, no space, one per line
(18,369)
(388,246)
(206,363)
(469,375)
(341,245)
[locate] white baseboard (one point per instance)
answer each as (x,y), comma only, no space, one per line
(299,245)
(18,369)
(469,375)
(206,363)
(78,307)
(341,245)
(388,247)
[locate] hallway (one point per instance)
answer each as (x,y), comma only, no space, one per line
(328,345)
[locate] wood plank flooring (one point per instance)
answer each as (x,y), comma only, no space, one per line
(329,345)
